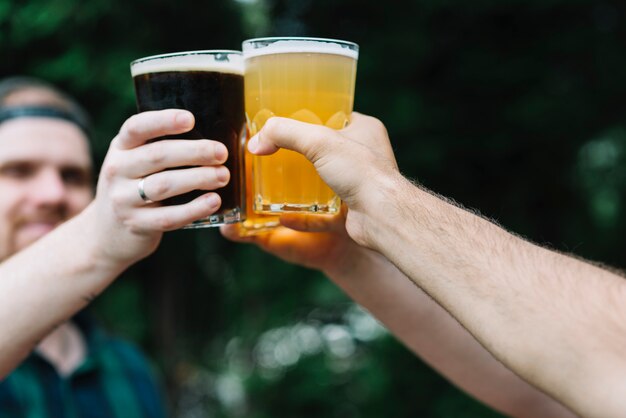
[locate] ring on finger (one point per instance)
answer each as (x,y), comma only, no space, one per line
(142,192)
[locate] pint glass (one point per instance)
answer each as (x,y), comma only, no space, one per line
(210,85)
(307,79)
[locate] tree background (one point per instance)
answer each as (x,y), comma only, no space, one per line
(515,108)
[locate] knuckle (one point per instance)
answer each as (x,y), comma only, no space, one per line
(118,201)
(314,154)
(272,127)
(110,170)
(327,134)
(325,138)
(133,226)
(377,126)
(165,223)
(205,150)
(132,126)
(155,154)
(160,188)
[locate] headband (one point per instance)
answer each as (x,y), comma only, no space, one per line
(13,112)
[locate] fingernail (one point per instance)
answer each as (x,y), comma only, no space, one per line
(222,174)
(184,118)
(253,144)
(213,200)
(221,153)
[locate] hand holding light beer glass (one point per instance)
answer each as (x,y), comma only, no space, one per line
(209,84)
(307,79)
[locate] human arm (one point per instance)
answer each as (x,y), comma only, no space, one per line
(50,280)
(554,320)
(322,243)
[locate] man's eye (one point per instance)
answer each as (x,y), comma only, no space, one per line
(17,171)
(75,177)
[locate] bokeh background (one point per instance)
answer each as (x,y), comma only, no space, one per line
(514,108)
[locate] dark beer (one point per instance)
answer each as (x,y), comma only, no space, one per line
(213,92)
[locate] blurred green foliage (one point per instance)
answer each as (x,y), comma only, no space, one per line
(515,108)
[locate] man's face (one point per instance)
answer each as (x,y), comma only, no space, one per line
(45,178)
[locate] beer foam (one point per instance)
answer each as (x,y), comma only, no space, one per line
(189,61)
(290,46)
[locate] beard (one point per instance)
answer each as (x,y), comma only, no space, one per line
(29,228)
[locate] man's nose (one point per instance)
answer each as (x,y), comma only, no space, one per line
(48,187)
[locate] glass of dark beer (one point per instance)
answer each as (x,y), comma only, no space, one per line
(210,85)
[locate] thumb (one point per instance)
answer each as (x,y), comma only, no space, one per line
(306,138)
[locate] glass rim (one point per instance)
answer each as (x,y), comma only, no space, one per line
(186,53)
(353,45)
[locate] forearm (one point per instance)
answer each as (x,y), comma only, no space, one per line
(430,332)
(45,284)
(554,320)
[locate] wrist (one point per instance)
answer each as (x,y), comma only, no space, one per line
(345,262)
(96,245)
(380,209)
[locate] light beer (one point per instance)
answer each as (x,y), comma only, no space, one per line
(307,79)
(254,223)
(210,85)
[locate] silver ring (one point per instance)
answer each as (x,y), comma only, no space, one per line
(142,192)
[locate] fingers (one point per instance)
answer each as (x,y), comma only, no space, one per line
(371,133)
(315,141)
(231,232)
(264,240)
(160,155)
(305,138)
(295,222)
(169,218)
(365,129)
(166,184)
(313,222)
(142,127)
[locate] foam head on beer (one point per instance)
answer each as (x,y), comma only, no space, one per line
(190,61)
(296,45)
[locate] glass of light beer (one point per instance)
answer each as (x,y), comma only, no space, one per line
(210,85)
(307,79)
(255,223)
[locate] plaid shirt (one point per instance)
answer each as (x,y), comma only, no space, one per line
(115,381)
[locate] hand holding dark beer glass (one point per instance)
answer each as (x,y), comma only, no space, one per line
(209,84)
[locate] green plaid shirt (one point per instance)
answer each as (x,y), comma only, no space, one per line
(115,381)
